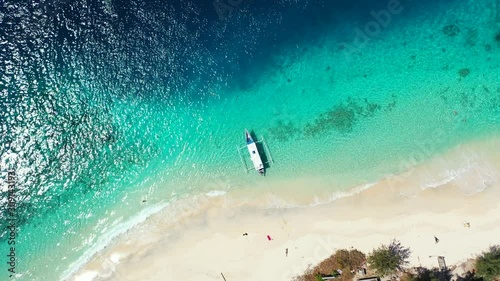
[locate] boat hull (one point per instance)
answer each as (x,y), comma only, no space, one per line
(254,154)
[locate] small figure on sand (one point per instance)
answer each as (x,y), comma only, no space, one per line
(245,234)
(269,238)
(286,252)
(436,239)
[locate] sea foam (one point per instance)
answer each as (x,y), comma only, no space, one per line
(103,241)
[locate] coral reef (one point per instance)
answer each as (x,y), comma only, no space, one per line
(340,118)
(283,131)
(471,38)
(463,72)
(451,30)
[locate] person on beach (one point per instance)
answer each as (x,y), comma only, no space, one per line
(286,252)
(436,239)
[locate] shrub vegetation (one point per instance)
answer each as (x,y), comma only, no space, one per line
(348,261)
(388,259)
(488,264)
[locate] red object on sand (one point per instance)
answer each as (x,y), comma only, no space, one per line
(269,238)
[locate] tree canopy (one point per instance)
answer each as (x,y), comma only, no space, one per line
(488,264)
(388,259)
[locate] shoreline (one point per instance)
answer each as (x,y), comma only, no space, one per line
(204,241)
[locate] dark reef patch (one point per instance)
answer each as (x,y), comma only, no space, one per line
(390,106)
(471,38)
(284,130)
(470,100)
(451,30)
(463,72)
(497,37)
(467,100)
(343,117)
(370,109)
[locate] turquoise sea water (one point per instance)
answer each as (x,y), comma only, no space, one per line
(105,105)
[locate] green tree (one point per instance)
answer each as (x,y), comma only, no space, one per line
(388,259)
(488,264)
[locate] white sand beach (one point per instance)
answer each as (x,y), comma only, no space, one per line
(206,241)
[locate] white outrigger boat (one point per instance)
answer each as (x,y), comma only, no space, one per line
(254,154)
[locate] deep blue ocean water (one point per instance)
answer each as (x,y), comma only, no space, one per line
(106,104)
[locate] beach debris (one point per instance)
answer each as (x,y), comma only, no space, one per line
(269,238)
(245,234)
(466,224)
(223,276)
(441,263)
(436,239)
